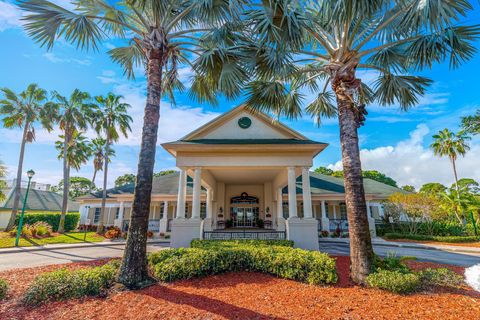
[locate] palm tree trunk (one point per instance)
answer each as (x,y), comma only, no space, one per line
(18,182)
(66,182)
(461,217)
(133,271)
(104,191)
(93,180)
(361,251)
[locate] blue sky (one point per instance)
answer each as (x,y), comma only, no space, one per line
(391,141)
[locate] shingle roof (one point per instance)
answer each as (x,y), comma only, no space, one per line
(40,200)
(323,184)
(319,184)
(167,184)
(245,141)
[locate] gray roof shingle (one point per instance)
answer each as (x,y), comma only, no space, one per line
(40,200)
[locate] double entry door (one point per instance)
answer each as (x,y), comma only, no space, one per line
(244,216)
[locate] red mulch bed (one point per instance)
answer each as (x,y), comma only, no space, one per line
(245,295)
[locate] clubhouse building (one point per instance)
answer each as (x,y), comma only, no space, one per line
(242,175)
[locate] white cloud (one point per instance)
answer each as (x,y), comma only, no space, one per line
(410,162)
(50,56)
(9,16)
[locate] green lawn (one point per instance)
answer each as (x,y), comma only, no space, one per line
(69,237)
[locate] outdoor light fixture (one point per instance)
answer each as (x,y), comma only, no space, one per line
(30,174)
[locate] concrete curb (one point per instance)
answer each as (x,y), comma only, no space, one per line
(409,245)
(72,246)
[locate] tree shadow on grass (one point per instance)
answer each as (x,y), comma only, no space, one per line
(201,302)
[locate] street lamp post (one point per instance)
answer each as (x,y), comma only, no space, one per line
(30,174)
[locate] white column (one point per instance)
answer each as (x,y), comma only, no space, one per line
(119,221)
(164,221)
(292,193)
(182,190)
(371,221)
(307,194)
(209,203)
(197,187)
(335,211)
(325,220)
(279,203)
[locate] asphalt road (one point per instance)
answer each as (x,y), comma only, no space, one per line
(38,258)
(438,256)
(56,256)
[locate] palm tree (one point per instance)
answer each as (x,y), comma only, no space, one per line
(71,114)
(98,150)
(161,35)
(111,119)
(451,145)
(320,47)
(471,124)
(23,110)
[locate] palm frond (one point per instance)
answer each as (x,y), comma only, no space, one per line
(322,107)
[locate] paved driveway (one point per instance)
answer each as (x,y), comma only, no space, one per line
(64,255)
(431,255)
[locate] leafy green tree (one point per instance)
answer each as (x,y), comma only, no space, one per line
(112,120)
(3,182)
(320,46)
(470,185)
(324,170)
(125,179)
(71,114)
(98,149)
(471,124)
(24,110)
(164,173)
(79,186)
(160,35)
(433,188)
(408,188)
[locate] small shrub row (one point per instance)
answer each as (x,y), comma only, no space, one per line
(3,289)
(310,267)
(433,228)
(233,243)
(66,284)
(419,237)
(393,275)
(52,218)
(39,229)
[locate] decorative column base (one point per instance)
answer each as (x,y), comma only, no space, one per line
(208,224)
(325,224)
(163,226)
(303,232)
(281,224)
(184,231)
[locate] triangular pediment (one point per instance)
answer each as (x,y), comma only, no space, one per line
(241,123)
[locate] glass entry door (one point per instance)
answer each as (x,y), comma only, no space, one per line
(244,216)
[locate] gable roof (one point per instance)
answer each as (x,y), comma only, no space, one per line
(39,200)
(215,123)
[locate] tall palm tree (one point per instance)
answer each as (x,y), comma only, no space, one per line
(71,114)
(161,35)
(98,149)
(451,145)
(319,47)
(111,119)
(23,110)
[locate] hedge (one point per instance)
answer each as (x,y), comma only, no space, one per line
(52,218)
(3,289)
(311,267)
(419,237)
(66,284)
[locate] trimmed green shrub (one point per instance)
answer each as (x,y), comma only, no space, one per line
(310,267)
(231,243)
(440,277)
(3,289)
(65,284)
(52,218)
(394,281)
(419,237)
(390,263)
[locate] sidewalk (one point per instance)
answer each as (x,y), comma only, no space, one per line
(106,243)
(425,246)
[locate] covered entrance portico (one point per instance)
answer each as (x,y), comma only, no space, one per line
(244,161)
